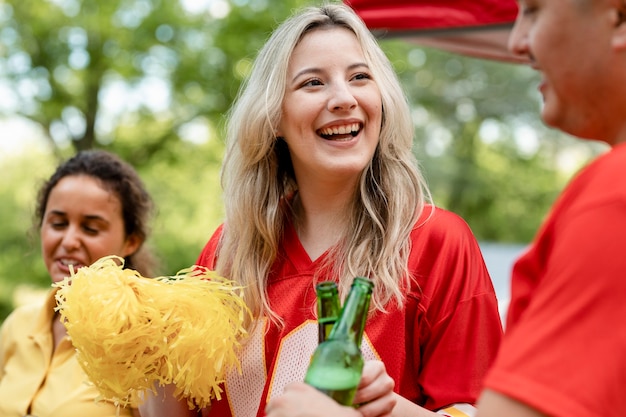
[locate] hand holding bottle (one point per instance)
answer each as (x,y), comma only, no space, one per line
(375,396)
(375,393)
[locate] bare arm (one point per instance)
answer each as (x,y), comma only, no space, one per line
(407,408)
(164,404)
(494,404)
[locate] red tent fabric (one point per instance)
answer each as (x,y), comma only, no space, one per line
(478,28)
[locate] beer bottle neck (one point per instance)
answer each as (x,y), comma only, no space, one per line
(351,322)
(327,299)
(327,308)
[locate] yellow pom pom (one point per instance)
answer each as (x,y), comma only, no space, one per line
(131,332)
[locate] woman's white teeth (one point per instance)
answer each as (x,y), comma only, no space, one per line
(340,130)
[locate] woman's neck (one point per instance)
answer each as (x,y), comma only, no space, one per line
(58,330)
(320,224)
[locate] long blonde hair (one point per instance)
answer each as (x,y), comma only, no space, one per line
(258,178)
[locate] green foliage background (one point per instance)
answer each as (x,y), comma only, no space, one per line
(61,59)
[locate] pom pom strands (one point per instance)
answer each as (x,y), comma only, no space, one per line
(131,332)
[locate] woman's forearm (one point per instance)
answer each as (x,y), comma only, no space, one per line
(406,408)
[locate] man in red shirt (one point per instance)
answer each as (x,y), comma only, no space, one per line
(563,353)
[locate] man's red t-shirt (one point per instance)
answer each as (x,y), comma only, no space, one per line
(564,350)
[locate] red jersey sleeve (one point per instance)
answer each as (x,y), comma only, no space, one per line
(208,256)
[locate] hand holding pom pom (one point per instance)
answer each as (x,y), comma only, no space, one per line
(131,332)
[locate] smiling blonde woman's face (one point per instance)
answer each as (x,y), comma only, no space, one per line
(331,111)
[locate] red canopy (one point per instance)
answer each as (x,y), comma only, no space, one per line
(477,28)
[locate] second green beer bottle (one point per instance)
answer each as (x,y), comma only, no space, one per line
(327,308)
(336,365)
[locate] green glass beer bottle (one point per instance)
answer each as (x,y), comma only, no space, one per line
(327,308)
(336,365)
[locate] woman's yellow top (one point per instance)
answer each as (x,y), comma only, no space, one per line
(37,381)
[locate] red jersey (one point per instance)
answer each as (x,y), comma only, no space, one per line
(564,351)
(437,347)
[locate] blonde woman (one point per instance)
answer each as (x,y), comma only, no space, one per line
(320,183)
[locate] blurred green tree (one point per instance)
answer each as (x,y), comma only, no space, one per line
(479,137)
(151,80)
(84,69)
